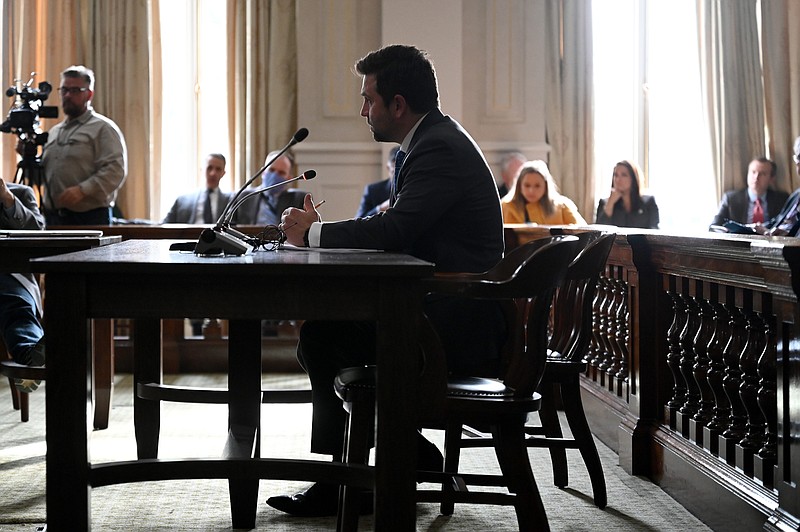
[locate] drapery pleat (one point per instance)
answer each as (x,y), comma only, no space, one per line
(569,122)
(262,58)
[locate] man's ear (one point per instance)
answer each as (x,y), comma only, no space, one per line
(398,106)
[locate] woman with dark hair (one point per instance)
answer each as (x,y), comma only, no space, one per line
(535,199)
(625,206)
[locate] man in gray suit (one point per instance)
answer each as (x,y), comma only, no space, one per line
(444,209)
(203,206)
(20,300)
(743,205)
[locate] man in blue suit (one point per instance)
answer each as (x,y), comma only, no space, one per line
(444,208)
(202,206)
(376,195)
(740,205)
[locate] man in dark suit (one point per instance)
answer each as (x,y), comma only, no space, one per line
(20,299)
(444,209)
(376,195)
(741,205)
(786,222)
(203,206)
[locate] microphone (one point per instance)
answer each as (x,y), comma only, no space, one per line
(307,176)
(217,241)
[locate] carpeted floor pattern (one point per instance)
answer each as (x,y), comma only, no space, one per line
(634,504)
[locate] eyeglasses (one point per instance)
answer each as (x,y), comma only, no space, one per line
(270,238)
(72,90)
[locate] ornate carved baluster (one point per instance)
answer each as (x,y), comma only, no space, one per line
(688,358)
(597,324)
(605,323)
(716,369)
(733,379)
(767,395)
(748,389)
(614,328)
(674,353)
(702,362)
(623,334)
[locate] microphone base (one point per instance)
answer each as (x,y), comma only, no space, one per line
(215,242)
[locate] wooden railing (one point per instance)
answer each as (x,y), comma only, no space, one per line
(693,370)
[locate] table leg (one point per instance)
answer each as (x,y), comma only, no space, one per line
(146,369)
(395,467)
(103,371)
(67,400)
(244,415)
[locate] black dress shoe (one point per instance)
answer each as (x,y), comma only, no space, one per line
(319,500)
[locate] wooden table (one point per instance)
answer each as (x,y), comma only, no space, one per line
(144,281)
(15,254)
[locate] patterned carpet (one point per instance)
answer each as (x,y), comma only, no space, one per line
(634,504)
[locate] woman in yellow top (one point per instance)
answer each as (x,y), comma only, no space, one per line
(535,199)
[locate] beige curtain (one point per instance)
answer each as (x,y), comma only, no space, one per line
(569,124)
(732,84)
(780,30)
(119,41)
(262,56)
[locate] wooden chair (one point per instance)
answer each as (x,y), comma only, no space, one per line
(524,282)
(569,343)
(12,370)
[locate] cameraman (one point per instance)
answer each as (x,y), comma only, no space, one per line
(84,160)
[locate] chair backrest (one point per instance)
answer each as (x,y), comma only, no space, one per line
(574,299)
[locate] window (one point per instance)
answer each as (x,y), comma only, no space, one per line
(648,106)
(195,94)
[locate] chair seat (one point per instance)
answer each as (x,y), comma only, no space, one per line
(21,371)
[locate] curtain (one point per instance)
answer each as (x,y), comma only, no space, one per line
(568,120)
(128,81)
(780,40)
(732,84)
(262,57)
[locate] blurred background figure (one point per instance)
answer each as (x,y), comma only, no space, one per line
(376,195)
(758,202)
(202,206)
(625,206)
(509,169)
(535,199)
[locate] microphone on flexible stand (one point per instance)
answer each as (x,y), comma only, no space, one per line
(217,240)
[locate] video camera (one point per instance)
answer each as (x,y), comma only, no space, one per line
(27,109)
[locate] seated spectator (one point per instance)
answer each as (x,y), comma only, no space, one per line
(625,206)
(203,206)
(375,198)
(509,169)
(535,199)
(786,222)
(20,299)
(266,208)
(756,203)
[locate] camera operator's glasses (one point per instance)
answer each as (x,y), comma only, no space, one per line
(72,90)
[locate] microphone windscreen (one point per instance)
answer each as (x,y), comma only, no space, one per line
(309,174)
(301,135)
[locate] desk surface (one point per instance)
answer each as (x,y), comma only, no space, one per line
(16,251)
(145,281)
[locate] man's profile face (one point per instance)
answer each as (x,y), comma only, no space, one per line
(75,103)
(215,169)
(380,121)
(759,176)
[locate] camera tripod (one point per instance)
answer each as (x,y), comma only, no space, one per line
(30,171)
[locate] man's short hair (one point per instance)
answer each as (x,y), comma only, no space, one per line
(773,167)
(80,71)
(403,70)
(218,156)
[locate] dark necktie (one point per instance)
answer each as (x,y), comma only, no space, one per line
(208,216)
(758,212)
(398,163)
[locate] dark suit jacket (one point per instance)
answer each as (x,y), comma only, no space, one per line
(735,203)
(787,209)
(446,211)
(645,217)
(184,210)
(374,195)
(247,214)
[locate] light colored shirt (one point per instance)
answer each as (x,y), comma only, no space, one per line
(88,151)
